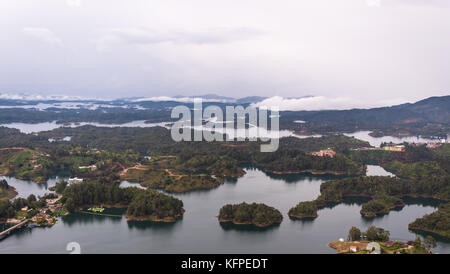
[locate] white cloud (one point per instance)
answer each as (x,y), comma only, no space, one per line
(320,103)
(43,34)
(176,99)
(145,36)
(73,3)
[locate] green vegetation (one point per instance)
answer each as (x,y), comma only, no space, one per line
(437,222)
(12,209)
(354,234)
(141,204)
(370,186)
(376,234)
(304,210)
(259,215)
(385,193)
(285,161)
(155,206)
(6,191)
(381,204)
(417,170)
(428,117)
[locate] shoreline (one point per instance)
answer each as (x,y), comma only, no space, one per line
(424,230)
(248,223)
(169,219)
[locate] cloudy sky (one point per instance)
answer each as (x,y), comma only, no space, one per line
(363,52)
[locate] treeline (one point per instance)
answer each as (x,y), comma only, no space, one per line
(380,204)
(372,233)
(259,215)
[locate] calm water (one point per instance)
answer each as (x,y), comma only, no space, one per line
(376,141)
(25,188)
(373,170)
(199,231)
(39,127)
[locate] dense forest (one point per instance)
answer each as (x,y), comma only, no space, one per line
(385,194)
(437,222)
(304,210)
(141,204)
(259,215)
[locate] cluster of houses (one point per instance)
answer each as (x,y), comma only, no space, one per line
(324,153)
(42,214)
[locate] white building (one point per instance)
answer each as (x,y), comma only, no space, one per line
(75,180)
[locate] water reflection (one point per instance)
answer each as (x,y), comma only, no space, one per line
(85,218)
(145,225)
(247,228)
(200,232)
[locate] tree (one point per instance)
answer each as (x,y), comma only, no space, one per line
(417,243)
(429,242)
(31,198)
(354,234)
(377,234)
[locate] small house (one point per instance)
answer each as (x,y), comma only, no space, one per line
(353,248)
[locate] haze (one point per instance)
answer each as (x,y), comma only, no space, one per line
(357,52)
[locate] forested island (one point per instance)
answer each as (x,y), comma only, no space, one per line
(141,204)
(304,210)
(259,215)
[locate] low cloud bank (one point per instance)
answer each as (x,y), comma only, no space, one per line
(319,103)
(177,99)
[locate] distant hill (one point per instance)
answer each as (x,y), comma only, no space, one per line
(250,99)
(429,116)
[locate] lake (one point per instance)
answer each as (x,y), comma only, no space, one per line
(377,141)
(200,232)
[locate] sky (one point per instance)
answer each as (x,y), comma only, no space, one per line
(343,52)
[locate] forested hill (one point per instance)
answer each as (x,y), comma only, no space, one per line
(430,116)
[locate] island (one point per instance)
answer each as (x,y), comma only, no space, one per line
(304,210)
(142,205)
(437,223)
(259,215)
